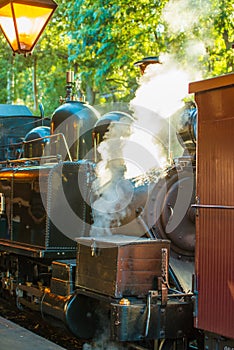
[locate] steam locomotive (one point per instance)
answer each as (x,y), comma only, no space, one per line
(140,283)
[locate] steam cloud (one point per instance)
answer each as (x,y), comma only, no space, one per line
(185,16)
(112,190)
(131,149)
(161,91)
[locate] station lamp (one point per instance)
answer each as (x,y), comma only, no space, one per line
(23,21)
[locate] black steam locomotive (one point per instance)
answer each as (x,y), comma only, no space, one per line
(136,286)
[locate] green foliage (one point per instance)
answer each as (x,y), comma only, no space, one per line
(100,40)
(203,36)
(108,37)
(47,64)
(221,54)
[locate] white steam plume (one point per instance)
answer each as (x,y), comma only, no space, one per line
(112,190)
(183,16)
(129,150)
(162,89)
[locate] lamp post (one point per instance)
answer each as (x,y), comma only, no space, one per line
(23,21)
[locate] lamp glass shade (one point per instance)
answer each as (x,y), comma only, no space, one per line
(23,23)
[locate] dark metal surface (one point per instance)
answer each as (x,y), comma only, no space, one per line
(187,132)
(63,277)
(24,227)
(169,211)
(35,141)
(75,120)
(23,220)
(13,130)
(68,193)
(86,316)
(212,341)
(128,322)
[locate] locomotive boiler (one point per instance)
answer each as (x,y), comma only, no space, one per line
(138,282)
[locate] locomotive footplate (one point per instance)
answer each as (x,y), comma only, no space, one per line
(134,319)
(36,251)
(137,320)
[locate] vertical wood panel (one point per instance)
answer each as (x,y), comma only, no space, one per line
(215,227)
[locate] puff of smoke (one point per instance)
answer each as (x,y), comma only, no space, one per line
(182,15)
(159,95)
(161,92)
(113,192)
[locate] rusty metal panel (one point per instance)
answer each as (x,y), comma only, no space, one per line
(63,277)
(215,220)
(117,268)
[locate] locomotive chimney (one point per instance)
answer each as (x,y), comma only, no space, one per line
(142,64)
(70,86)
(73,89)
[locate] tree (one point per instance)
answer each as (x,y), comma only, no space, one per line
(40,77)
(107,38)
(200,34)
(100,40)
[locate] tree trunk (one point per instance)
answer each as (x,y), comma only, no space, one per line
(35,95)
(90,95)
(10,83)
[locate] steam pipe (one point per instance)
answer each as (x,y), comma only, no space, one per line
(143,224)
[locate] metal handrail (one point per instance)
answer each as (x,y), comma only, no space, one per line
(212,206)
(21,160)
